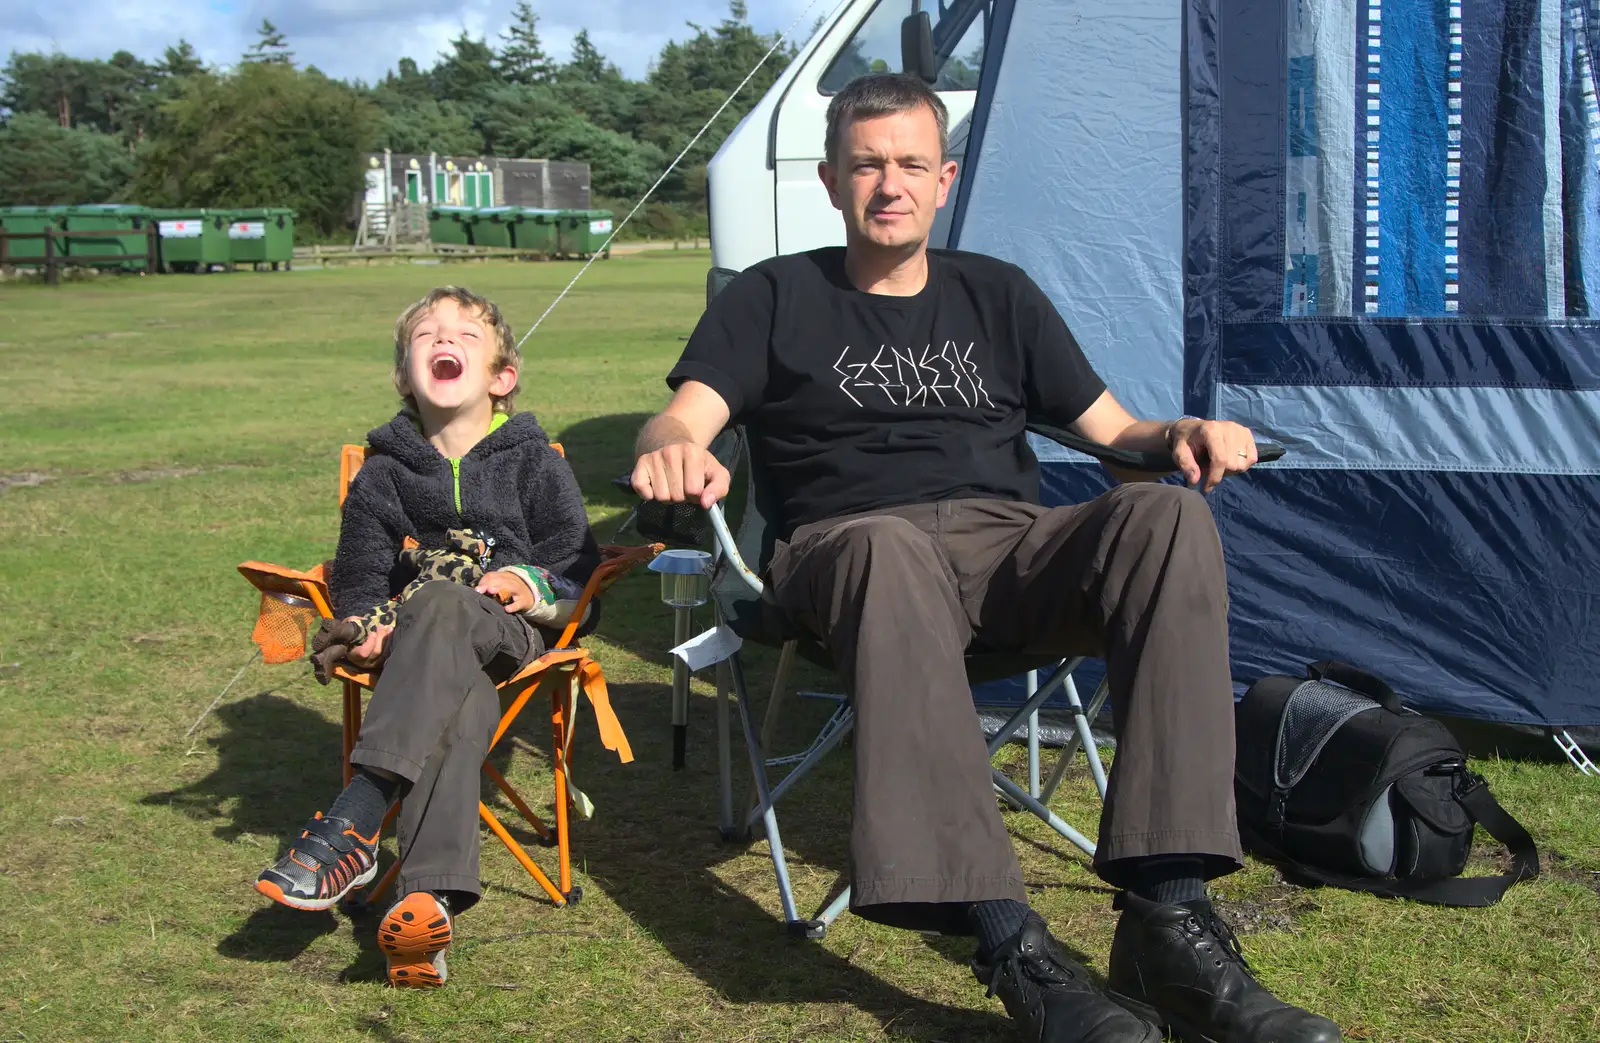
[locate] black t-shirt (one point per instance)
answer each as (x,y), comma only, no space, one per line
(855,401)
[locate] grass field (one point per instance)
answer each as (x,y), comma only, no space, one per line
(155,432)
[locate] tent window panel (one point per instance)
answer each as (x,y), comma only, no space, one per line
(958,41)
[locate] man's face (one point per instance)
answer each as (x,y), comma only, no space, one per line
(450,361)
(888,178)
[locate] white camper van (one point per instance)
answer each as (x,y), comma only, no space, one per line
(764,195)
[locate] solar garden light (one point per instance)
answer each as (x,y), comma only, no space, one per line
(685,586)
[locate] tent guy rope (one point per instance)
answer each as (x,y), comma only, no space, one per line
(670,168)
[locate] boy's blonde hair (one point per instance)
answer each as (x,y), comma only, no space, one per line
(506,351)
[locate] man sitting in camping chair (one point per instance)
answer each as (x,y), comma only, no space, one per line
(884,387)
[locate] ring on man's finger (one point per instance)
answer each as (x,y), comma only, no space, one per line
(1244,454)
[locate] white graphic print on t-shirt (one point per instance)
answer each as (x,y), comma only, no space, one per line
(909,377)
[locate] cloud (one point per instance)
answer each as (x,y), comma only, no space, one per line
(362,39)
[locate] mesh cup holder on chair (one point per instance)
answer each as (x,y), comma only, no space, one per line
(281,626)
(675,524)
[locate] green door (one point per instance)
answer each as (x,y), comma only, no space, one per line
(414,186)
(439,197)
(486,188)
(471,189)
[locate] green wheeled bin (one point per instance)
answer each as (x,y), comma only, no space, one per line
(496,226)
(450,224)
(584,232)
(27,219)
(128,249)
(193,239)
(538,229)
(601,224)
(262,235)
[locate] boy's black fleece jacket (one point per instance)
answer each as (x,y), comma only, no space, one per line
(514,488)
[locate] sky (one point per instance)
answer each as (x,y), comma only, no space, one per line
(362,39)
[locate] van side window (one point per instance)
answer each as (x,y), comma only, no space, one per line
(958,38)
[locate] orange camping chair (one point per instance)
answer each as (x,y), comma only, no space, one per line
(291,600)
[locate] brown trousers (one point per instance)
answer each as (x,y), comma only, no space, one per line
(432,714)
(898,595)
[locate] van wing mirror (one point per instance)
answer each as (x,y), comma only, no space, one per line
(916,48)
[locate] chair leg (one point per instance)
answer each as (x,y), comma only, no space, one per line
(1090,750)
(724,758)
(780,692)
(560,709)
(774,711)
(758,770)
(517,802)
(1054,821)
(834,908)
(520,855)
(1027,713)
(1033,739)
(832,734)
(1084,737)
(352,724)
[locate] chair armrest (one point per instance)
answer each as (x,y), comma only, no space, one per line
(1132,459)
(673,513)
(615,562)
(730,549)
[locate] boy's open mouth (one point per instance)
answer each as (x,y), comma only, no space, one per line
(445,367)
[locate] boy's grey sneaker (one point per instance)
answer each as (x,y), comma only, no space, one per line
(1052,998)
(327,861)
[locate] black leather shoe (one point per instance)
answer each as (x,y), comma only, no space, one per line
(1051,998)
(1184,971)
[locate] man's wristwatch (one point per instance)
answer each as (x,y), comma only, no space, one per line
(1172,425)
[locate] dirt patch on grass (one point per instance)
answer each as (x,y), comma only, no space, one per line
(1497,861)
(154,474)
(1276,907)
(1563,867)
(22,480)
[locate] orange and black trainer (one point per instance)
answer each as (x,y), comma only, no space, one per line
(325,862)
(414,935)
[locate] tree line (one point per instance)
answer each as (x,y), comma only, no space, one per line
(268,131)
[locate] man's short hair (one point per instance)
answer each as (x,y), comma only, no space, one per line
(883,94)
(506,352)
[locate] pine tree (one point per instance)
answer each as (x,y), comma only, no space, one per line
(522,59)
(588,64)
(181,60)
(269,47)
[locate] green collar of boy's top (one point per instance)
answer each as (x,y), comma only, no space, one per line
(496,422)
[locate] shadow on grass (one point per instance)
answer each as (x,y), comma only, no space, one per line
(599,450)
(277,934)
(655,851)
(257,786)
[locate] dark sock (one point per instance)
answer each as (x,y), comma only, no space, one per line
(1171,879)
(995,923)
(365,801)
